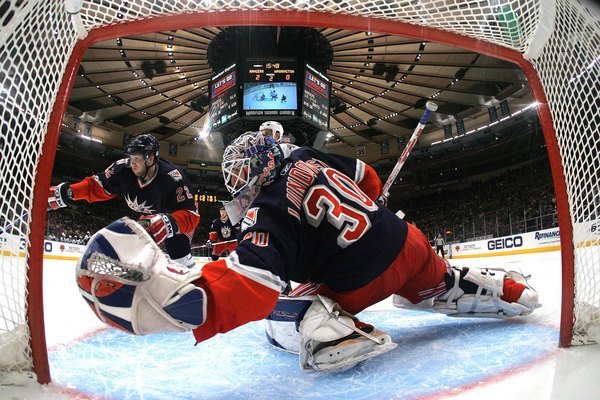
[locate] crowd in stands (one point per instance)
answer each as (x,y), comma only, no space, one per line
(519,200)
(76,223)
(516,201)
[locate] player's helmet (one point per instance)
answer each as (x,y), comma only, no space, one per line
(251,159)
(145,144)
(273,129)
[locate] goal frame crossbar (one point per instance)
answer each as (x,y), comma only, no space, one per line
(278,18)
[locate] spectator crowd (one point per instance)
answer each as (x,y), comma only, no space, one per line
(518,200)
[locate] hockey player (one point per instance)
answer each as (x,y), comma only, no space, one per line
(222,230)
(439,245)
(273,129)
(313,220)
(151,186)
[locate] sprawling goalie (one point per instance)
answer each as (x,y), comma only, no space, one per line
(307,217)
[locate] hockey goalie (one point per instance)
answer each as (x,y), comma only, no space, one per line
(306,217)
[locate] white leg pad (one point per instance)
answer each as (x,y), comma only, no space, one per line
(486,301)
(485,288)
(330,340)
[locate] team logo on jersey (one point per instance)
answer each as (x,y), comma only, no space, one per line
(139,207)
(176,175)
(250,218)
(225,232)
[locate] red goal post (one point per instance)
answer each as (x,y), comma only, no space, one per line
(41,53)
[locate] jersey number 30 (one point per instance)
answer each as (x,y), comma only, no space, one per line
(328,200)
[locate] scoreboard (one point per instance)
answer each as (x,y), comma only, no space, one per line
(266,72)
(205,198)
(270,88)
(315,98)
(223,97)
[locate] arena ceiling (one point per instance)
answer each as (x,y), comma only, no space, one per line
(158,83)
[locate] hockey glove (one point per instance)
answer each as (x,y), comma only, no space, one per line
(59,196)
(132,285)
(159,226)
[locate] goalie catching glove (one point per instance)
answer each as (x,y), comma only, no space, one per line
(131,285)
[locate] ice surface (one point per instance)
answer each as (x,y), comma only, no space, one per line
(437,356)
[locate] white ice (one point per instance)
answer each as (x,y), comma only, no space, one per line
(571,373)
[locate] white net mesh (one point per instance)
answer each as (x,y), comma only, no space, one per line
(569,70)
(37,38)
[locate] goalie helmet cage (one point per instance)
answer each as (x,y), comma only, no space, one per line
(555,43)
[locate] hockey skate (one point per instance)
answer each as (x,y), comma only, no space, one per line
(479,292)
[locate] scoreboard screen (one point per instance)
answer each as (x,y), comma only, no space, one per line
(315,98)
(270,88)
(223,97)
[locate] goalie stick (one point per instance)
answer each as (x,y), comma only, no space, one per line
(430,107)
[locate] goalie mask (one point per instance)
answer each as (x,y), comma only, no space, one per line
(131,285)
(253,159)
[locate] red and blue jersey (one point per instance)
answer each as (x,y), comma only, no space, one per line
(167,192)
(222,231)
(317,222)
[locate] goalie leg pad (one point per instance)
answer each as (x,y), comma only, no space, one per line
(130,283)
(282,326)
(333,340)
(478,292)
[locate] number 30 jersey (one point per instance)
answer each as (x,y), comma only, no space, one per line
(318,222)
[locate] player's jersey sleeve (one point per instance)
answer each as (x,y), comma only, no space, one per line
(236,294)
(213,235)
(101,186)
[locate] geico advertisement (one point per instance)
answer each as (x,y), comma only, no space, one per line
(544,240)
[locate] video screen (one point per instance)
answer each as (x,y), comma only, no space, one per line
(270,88)
(315,98)
(223,98)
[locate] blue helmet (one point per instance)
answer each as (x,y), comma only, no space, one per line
(251,159)
(145,144)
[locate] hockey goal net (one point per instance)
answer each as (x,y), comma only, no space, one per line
(556,44)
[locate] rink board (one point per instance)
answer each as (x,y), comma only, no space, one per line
(435,355)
